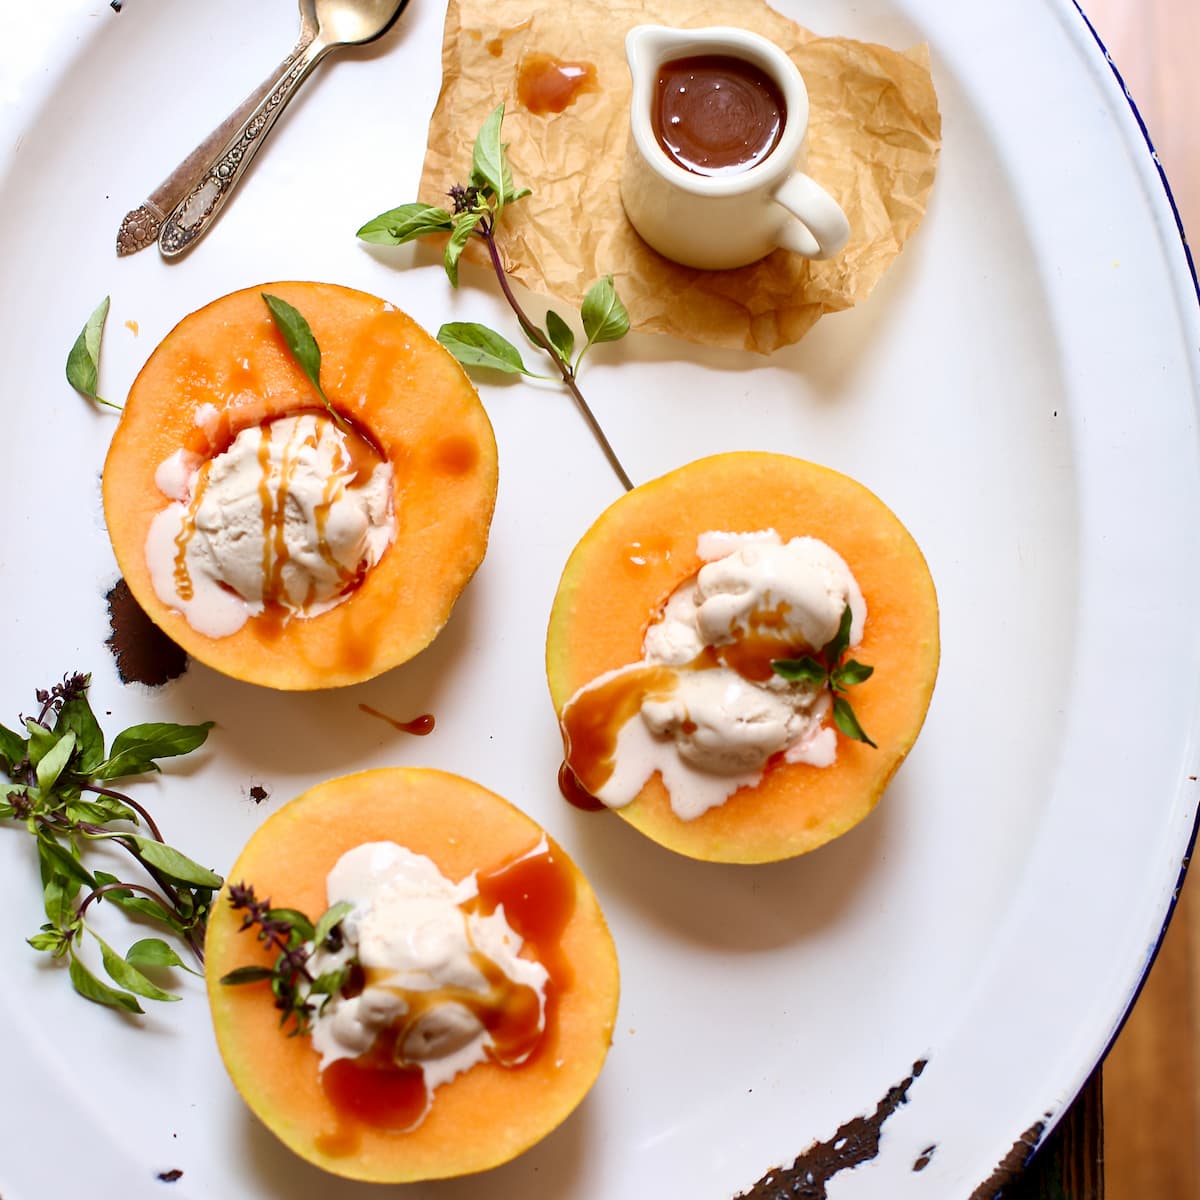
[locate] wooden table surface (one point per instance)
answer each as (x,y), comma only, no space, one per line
(1152,1075)
(1142,1140)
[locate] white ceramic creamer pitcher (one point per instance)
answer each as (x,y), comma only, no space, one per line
(740,212)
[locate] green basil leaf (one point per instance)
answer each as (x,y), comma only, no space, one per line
(464,226)
(328,919)
(41,740)
(55,859)
(58,899)
(329,983)
(49,941)
(76,715)
(13,750)
(172,863)
(135,749)
(189,917)
(145,907)
(850,673)
(195,901)
(100,811)
(847,722)
(800,670)
(152,952)
(84,810)
(128,901)
(562,336)
(90,988)
(488,164)
(406,223)
(83,361)
(301,925)
(299,339)
(61,877)
(129,977)
(605,318)
(478,346)
(834,650)
(54,761)
(246,975)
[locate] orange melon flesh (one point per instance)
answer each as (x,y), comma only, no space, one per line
(644,546)
(487,1115)
(381,370)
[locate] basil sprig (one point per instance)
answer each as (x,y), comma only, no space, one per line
(832,670)
(59,789)
(475,211)
(299,994)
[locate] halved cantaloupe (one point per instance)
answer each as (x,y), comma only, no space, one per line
(485,1116)
(644,546)
(226,367)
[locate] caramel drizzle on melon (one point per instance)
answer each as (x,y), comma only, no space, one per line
(593,719)
(537,892)
(509,1011)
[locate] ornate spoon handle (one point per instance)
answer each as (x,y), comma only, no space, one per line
(198,209)
(140,227)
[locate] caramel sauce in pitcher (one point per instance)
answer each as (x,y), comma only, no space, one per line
(714,114)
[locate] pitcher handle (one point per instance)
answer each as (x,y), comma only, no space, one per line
(820,228)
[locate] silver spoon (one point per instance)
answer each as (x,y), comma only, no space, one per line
(140,226)
(324,25)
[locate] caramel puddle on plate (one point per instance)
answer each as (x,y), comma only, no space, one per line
(573,791)
(420,726)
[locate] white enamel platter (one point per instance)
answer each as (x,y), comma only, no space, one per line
(1021,389)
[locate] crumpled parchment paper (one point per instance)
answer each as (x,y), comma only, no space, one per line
(873,141)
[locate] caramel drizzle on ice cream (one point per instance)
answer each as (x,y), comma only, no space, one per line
(288,517)
(187,527)
(354,460)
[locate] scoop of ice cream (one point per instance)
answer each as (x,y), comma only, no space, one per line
(432,964)
(716,727)
(282,518)
(723,723)
(797,590)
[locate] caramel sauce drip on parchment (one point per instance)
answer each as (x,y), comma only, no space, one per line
(547,85)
